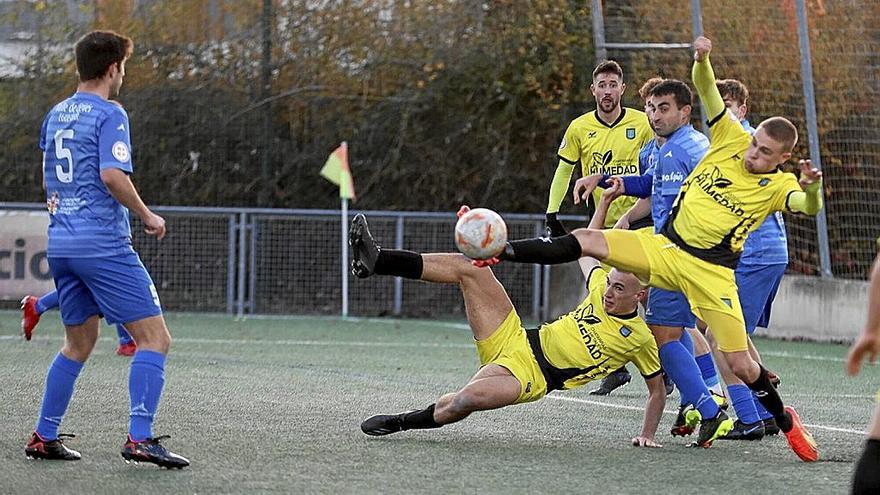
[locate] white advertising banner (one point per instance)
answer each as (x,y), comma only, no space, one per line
(23,266)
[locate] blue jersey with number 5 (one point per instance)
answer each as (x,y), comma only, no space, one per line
(81,136)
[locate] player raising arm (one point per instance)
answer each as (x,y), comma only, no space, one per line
(522,365)
(730,192)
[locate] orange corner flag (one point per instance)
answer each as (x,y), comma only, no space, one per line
(336,171)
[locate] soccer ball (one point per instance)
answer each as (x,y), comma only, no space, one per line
(480,234)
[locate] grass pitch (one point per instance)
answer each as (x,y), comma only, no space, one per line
(274,405)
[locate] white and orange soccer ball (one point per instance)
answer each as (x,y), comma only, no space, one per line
(480,234)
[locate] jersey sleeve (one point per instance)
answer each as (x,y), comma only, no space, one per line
(797,200)
(597,279)
(570,147)
(647,359)
(43,130)
(114,141)
(724,127)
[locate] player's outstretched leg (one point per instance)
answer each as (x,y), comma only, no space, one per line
(491,388)
(146,380)
(32,308)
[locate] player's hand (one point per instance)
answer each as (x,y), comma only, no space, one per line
(702,47)
(622,222)
(584,186)
(615,189)
(154,225)
(554,226)
(484,263)
(867,347)
(809,173)
(461,211)
(645,442)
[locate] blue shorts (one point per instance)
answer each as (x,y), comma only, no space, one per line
(116,287)
(757,286)
(668,308)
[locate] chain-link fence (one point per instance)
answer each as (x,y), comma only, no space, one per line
(758,43)
(263,261)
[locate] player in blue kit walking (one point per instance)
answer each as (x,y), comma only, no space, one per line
(86,166)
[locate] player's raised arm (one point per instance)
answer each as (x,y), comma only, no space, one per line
(808,201)
(704,79)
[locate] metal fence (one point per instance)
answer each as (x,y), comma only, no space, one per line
(272,261)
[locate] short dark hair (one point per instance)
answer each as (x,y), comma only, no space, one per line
(782,130)
(734,90)
(646,88)
(679,90)
(98,50)
(608,67)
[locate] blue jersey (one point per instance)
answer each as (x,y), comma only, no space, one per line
(768,245)
(81,136)
(666,168)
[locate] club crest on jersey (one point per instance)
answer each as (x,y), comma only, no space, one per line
(52,203)
(763,182)
(120,151)
(626,332)
(630,132)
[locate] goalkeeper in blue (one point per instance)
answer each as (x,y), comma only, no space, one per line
(86,167)
(32,308)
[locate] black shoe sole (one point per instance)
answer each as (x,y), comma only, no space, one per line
(168,465)
(41,456)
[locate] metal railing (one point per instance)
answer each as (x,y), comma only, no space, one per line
(287,261)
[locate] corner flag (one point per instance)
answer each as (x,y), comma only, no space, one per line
(336,171)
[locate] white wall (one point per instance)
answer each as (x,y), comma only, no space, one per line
(810,308)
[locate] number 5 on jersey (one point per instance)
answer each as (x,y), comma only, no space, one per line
(63,153)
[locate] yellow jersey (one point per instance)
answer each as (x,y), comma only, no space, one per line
(720,201)
(603,148)
(588,343)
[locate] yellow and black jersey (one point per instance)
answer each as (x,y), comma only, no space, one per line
(588,343)
(720,201)
(606,148)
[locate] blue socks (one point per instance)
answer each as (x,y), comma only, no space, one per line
(47,302)
(707,369)
(684,372)
(763,413)
(124,337)
(743,403)
(687,341)
(59,389)
(145,382)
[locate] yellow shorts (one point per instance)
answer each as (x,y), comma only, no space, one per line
(709,288)
(509,347)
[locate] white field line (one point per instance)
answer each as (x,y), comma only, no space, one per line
(636,408)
